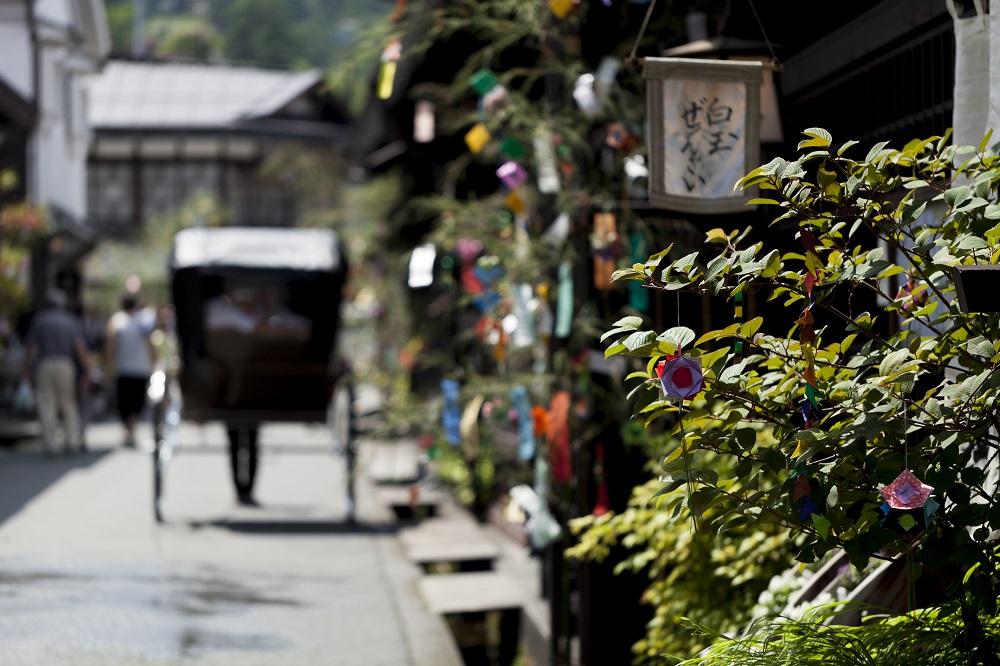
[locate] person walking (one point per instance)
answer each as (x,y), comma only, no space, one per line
(130,354)
(55,340)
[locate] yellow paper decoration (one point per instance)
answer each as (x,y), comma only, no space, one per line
(515,203)
(561,8)
(386,77)
(477,137)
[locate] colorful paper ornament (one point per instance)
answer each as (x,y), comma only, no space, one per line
(495,99)
(680,376)
(423,121)
(483,81)
(557,436)
(738,319)
(512,148)
(515,203)
(620,138)
(469,428)
(602,504)
(562,8)
(564,301)
(585,97)
(915,294)
(545,162)
(525,424)
(451,413)
(523,334)
(477,137)
(604,246)
(512,174)
(387,68)
(906,492)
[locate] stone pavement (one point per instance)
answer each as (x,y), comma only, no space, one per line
(88,577)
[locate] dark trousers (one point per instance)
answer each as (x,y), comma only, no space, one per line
(243,457)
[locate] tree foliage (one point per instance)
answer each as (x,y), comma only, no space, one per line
(921,395)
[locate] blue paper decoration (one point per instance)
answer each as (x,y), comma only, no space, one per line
(525,424)
(451,415)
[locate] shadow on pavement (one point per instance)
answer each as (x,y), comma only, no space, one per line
(25,474)
(295,527)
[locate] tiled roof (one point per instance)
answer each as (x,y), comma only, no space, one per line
(142,94)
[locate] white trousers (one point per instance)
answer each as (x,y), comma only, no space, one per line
(55,390)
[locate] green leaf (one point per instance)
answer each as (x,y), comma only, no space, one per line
(892,361)
(876,149)
(679,336)
(847,144)
(821,524)
(957,195)
(817,137)
(762,202)
(718,235)
(632,322)
(639,340)
(614,349)
(747,329)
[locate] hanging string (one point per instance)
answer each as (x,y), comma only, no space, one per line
(642,31)
(760,25)
(695,505)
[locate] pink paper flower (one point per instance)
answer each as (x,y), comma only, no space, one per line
(681,376)
(906,492)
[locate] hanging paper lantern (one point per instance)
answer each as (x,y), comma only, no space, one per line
(512,174)
(681,376)
(907,509)
(477,137)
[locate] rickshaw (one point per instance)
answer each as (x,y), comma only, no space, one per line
(256,315)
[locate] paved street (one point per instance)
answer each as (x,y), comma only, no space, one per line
(88,577)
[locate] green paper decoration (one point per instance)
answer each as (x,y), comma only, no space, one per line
(483,81)
(638,296)
(512,148)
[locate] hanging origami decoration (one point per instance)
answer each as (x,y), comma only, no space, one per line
(638,295)
(557,436)
(487,270)
(515,203)
(477,137)
(545,162)
(564,302)
(738,319)
(451,413)
(469,428)
(521,405)
(585,96)
(483,81)
(807,340)
(512,174)
(907,505)
(916,296)
(802,497)
(562,8)
(605,247)
(495,99)
(602,504)
(512,148)
(680,376)
(387,68)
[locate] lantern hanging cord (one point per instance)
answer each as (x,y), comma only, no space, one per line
(642,31)
(760,25)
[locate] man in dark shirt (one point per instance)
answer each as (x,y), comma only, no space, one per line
(55,336)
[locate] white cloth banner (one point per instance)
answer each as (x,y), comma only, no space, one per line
(704,138)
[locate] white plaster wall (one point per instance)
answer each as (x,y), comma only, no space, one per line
(60,141)
(15,51)
(59,12)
